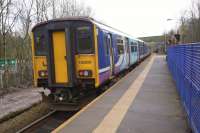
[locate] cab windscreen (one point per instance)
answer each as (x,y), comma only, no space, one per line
(40,43)
(84,40)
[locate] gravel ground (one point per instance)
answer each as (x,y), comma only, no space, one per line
(17,102)
(14,124)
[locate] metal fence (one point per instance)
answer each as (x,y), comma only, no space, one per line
(184,65)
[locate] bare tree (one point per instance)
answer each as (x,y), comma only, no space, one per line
(50,9)
(190,25)
(24,51)
(8,18)
(73,8)
(16,19)
(42,9)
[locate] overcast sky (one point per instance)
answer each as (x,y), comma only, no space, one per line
(139,17)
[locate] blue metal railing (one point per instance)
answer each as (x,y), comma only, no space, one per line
(184,65)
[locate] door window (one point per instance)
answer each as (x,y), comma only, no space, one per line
(120,46)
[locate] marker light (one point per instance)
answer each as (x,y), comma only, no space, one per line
(43,73)
(85,73)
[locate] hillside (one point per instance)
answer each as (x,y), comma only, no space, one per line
(153,39)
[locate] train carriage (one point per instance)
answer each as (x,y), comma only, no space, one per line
(77,54)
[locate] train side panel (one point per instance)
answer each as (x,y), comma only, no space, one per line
(103,57)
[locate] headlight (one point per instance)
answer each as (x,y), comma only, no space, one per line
(85,73)
(43,73)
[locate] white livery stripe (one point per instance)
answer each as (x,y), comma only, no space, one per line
(104,69)
(119,61)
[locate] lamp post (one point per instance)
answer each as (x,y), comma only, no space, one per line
(165,42)
(167,20)
(165,37)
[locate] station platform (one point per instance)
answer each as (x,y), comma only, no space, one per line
(144,101)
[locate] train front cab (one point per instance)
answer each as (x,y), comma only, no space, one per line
(69,58)
(39,60)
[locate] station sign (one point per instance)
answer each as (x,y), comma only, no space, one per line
(9,62)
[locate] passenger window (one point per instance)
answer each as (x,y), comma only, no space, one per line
(120,46)
(120,41)
(132,49)
(120,49)
(84,40)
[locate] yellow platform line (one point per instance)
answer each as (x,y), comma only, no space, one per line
(112,120)
(58,129)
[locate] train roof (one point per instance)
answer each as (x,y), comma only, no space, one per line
(61,19)
(88,19)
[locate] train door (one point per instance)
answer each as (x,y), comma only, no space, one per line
(111,53)
(127,51)
(60,59)
(59,55)
(139,51)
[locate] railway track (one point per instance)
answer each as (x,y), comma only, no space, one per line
(47,123)
(53,119)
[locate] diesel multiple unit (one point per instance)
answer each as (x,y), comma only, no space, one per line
(77,54)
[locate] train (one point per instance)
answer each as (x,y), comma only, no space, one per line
(74,55)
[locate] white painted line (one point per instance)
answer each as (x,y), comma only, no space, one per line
(112,120)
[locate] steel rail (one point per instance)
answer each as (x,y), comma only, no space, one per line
(36,122)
